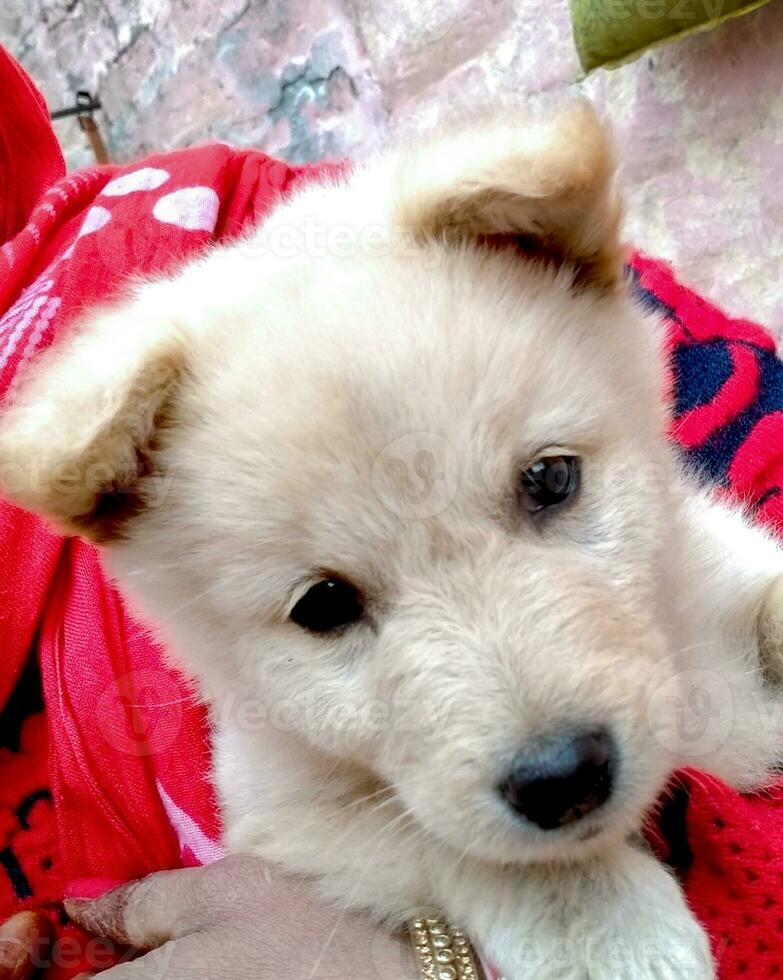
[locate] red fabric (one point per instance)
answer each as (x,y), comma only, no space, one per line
(727,388)
(26,139)
(127,756)
(699,423)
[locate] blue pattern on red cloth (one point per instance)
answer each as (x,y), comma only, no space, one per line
(728,371)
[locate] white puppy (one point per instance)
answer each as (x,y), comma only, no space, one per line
(394,471)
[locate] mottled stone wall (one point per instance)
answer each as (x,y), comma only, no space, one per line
(700,122)
(291,76)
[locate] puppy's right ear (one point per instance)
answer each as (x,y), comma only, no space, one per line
(80,423)
(544,184)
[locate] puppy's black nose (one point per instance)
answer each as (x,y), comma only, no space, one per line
(562,781)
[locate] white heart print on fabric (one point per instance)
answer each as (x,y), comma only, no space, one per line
(94,220)
(192,208)
(145,179)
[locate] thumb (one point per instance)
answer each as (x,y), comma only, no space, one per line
(20,942)
(146,913)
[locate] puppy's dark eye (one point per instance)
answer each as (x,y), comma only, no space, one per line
(327,606)
(549,482)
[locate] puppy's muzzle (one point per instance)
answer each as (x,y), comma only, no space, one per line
(563,780)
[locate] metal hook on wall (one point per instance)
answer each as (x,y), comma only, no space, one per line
(85,107)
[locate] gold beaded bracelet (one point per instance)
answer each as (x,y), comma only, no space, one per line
(443,953)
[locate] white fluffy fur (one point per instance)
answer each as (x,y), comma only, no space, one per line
(286,373)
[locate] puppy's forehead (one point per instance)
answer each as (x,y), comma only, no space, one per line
(435,340)
(395,392)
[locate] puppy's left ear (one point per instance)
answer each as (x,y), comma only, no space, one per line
(545,185)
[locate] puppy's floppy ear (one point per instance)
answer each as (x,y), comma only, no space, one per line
(76,433)
(545,184)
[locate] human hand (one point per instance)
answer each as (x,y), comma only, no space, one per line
(236,920)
